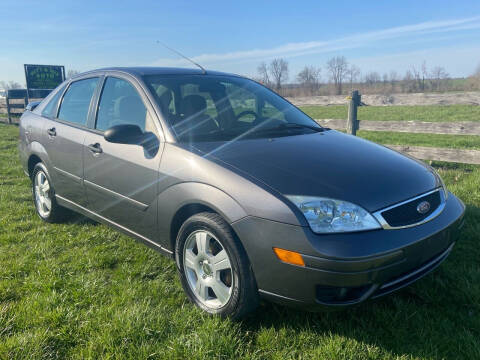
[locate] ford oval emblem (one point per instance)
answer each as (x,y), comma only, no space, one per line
(423,207)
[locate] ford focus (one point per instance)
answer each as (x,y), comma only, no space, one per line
(251,197)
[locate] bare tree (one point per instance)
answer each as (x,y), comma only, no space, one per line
(71,73)
(424,74)
(438,77)
(372,78)
(393,79)
(474,79)
(477,75)
(353,74)
(419,75)
(385,81)
(262,71)
(409,82)
(417,84)
(337,67)
(309,77)
(10,85)
(279,72)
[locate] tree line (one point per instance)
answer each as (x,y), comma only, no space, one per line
(340,76)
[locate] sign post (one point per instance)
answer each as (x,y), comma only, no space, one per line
(41,79)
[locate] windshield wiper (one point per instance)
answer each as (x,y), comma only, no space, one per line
(288,126)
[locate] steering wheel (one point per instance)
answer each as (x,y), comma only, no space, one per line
(248,112)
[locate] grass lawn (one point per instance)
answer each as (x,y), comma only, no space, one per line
(418,139)
(431,113)
(82,290)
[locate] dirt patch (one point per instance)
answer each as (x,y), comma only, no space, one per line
(454,98)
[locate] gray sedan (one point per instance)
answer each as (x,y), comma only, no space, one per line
(251,197)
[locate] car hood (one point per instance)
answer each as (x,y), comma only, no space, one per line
(329,164)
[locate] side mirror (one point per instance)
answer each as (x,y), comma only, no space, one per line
(124,134)
(32,105)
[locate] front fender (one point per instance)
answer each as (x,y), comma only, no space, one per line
(170,201)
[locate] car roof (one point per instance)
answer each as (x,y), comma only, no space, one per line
(151,70)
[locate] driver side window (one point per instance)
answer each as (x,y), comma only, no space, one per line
(120,104)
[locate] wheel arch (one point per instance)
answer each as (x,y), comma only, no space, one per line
(187,199)
(36,154)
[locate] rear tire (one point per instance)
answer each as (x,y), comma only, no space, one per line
(43,194)
(213,267)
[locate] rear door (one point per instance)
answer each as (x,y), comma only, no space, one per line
(64,134)
(121,179)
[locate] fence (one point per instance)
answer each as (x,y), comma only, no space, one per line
(13,106)
(352,124)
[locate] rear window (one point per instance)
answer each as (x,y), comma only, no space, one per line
(50,110)
(76,101)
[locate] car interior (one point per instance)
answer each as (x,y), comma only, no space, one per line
(214,108)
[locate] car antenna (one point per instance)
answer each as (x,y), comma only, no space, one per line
(183,56)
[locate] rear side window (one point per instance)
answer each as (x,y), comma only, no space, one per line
(76,101)
(50,110)
(120,104)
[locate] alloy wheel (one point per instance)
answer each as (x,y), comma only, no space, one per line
(42,194)
(208,269)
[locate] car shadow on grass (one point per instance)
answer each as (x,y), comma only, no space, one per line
(437,317)
(79,219)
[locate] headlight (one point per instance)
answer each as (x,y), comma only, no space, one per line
(330,216)
(444,187)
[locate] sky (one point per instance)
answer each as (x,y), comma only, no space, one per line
(235,36)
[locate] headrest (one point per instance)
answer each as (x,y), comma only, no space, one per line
(194,104)
(165,100)
(131,109)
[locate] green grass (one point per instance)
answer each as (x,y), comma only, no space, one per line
(81,290)
(416,139)
(430,113)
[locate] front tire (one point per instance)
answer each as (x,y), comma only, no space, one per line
(44,196)
(213,267)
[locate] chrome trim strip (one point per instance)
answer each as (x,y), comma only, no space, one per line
(115,224)
(133,202)
(432,262)
(75,178)
(433,215)
(268,293)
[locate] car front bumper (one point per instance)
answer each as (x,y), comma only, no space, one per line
(345,269)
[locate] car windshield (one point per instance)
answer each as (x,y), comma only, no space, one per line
(224,108)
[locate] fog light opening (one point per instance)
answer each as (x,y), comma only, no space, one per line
(339,295)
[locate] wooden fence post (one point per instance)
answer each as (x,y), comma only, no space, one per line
(8,109)
(352,123)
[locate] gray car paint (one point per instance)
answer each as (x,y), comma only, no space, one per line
(243,181)
(371,175)
(65,153)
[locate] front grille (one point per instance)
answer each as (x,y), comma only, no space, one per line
(407,214)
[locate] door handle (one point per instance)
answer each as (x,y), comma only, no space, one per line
(95,148)
(52,131)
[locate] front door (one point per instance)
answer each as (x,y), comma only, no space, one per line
(64,136)
(121,179)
